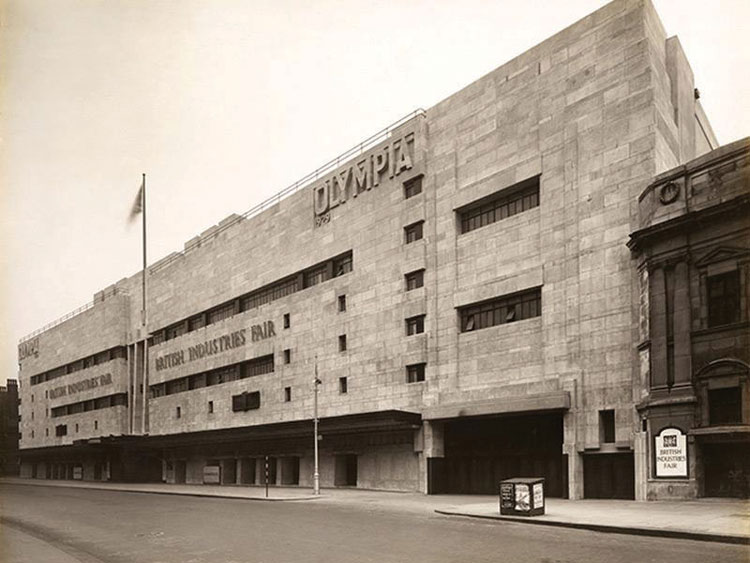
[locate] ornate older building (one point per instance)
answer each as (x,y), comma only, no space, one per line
(459,283)
(693,253)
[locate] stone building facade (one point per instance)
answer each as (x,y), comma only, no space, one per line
(693,253)
(462,288)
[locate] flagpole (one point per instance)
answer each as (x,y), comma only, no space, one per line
(144,318)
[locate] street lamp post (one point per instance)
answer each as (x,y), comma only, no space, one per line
(316,472)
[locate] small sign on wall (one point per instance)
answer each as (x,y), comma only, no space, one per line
(670,454)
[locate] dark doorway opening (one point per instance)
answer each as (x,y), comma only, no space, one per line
(229,472)
(290,470)
(726,469)
(180,471)
(247,471)
(346,470)
(482,451)
(610,476)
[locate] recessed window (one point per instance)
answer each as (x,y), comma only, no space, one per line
(210,407)
(412,187)
(501,205)
(342,303)
(342,265)
(32,398)
(32,433)
(32,415)
(723,298)
(343,385)
(342,343)
(178,412)
(607,426)
(76,428)
(96,425)
(414,279)
(61,430)
(415,325)
(501,310)
(725,406)
(287,356)
(413,232)
(46,432)
(415,373)
(287,320)
(287,394)
(246,401)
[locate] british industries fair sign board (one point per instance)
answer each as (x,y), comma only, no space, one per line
(670,454)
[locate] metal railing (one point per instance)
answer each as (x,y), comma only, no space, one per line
(299,184)
(270,202)
(56,322)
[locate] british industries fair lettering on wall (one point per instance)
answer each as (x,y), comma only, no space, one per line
(216,345)
(670,454)
(83,385)
(362,175)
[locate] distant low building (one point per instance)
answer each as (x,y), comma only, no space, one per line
(693,254)
(9,436)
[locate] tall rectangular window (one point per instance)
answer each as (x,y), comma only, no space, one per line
(723,298)
(342,303)
(413,232)
(342,343)
(414,279)
(415,373)
(343,385)
(287,320)
(501,310)
(500,205)
(412,187)
(287,356)
(607,426)
(415,325)
(287,394)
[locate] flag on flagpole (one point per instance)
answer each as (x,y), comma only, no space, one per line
(137,208)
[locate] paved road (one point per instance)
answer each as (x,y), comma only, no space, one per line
(63,525)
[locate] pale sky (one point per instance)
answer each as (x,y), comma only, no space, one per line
(223,103)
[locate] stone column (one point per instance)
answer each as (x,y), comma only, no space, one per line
(658,302)
(681,323)
(433,446)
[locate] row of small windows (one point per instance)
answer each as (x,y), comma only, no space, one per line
(116,400)
(501,205)
(117,352)
(310,277)
(60,430)
(501,310)
(234,372)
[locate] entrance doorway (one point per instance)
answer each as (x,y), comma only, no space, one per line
(726,469)
(180,471)
(346,470)
(482,451)
(610,476)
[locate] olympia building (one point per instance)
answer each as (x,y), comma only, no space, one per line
(465,287)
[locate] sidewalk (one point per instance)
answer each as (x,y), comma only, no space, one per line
(720,520)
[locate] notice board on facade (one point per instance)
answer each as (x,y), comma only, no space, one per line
(212,475)
(670,454)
